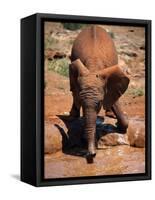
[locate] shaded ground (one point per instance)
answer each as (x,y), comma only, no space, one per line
(122,159)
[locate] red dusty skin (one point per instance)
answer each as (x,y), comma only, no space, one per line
(95,78)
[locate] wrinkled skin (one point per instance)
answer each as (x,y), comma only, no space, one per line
(96,80)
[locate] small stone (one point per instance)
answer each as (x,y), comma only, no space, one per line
(66,113)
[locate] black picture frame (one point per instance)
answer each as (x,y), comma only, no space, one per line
(32,99)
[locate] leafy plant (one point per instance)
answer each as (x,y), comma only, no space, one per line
(61,66)
(136,92)
(73,26)
(50,42)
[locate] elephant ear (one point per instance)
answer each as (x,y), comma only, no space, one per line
(116,83)
(78,68)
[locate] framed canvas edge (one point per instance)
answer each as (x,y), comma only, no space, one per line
(40,181)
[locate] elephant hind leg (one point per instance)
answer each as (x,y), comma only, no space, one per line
(122,120)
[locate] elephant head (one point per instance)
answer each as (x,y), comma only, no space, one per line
(96,89)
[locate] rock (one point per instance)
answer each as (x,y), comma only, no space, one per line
(62,134)
(129,53)
(66,113)
(107,134)
(52,54)
(131,30)
(112,139)
(142,47)
(52,139)
(136,133)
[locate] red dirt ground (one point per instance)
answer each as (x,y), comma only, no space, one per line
(58,101)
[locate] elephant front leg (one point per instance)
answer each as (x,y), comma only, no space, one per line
(75,110)
(122,123)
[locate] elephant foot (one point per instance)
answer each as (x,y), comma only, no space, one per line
(90,157)
(122,128)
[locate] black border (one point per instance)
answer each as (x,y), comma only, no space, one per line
(40,19)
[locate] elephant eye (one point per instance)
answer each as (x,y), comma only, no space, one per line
(97,76)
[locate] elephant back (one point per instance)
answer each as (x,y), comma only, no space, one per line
(95,48)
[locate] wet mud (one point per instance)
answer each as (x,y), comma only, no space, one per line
(116,160)
(116,153)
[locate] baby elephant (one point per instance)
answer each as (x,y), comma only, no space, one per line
(96,80)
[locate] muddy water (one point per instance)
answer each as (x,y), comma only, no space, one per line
(120,159)
(110,160)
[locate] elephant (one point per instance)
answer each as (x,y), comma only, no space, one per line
(96,81)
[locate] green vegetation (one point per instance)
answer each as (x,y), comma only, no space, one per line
(61,66)
(73,26)
(136,92)
(51,42)
(70,42)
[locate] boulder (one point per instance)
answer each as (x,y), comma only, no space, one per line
(63,134)
(136,133)
(52,139)
(51,54)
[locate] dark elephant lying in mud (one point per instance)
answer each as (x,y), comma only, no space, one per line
(96,80)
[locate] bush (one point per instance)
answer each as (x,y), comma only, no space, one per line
(73,26)
(61,66)
(136,92)
(51,42)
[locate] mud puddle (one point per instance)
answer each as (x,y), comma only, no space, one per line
(115,160)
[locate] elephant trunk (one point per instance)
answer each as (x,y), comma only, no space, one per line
(90,131)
